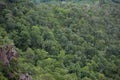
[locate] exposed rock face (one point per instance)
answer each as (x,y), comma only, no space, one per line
(25,77)
(7,53)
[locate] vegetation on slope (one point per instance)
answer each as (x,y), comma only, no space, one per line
(61,41)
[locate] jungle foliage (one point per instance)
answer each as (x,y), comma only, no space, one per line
(62,40)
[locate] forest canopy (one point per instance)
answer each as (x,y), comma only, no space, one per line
(61,39)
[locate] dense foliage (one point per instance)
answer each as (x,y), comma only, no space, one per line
(62,40)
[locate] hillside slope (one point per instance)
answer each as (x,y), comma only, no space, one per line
(61,41)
